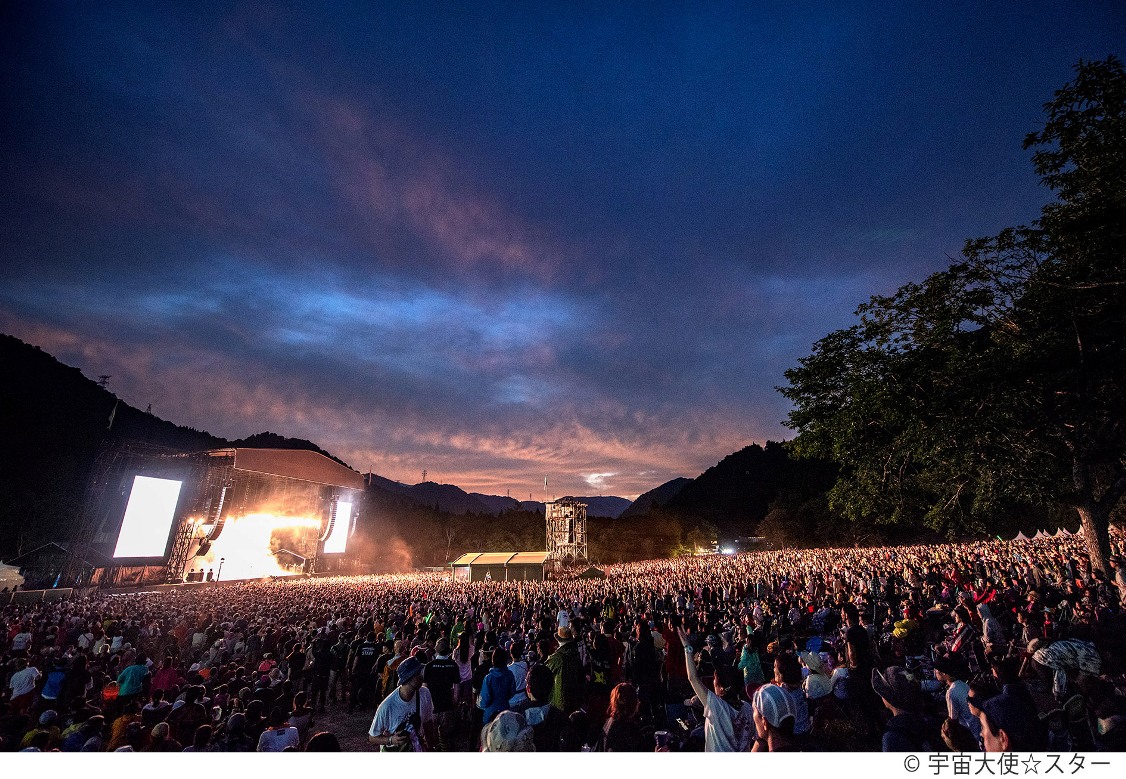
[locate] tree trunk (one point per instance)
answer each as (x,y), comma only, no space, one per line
(1094,517)
(1094,512)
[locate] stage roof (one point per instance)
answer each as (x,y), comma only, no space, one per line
(296,464)
(501,558)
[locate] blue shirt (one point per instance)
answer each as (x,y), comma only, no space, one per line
(497,688)
(131,681)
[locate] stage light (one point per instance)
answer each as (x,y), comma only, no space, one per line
(337,541)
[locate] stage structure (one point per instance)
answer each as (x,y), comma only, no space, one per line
(499,566)
(237,513)
(566,534)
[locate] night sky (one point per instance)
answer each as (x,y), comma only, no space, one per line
(501,242)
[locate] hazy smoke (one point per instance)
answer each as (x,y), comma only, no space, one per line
(397,556)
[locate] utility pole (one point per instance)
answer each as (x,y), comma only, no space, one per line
(103,380)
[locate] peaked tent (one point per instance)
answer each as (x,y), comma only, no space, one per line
(1040,534)
(1020,536)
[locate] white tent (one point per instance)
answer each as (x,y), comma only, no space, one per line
(1040,534)
(1062,533)
(1020,536)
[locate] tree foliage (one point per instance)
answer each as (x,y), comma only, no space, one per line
(1002,379)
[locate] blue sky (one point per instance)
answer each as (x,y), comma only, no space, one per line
(501,241)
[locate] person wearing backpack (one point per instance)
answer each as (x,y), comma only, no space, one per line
(404,721)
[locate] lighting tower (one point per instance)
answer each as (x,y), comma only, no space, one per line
(566,533)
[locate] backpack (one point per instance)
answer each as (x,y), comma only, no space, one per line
(391,676)
(412,725)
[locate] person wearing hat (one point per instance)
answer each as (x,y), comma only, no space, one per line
(816,685)
(904,732)
(567,669)
(161,740)
(508,732)
(774,716)
(48,723)
(404,721)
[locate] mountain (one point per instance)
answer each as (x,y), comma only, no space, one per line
(656,497)
(377,482)
(736,493)
(497,504)
(270,440)
(446,497)
(599,506)
(605,506)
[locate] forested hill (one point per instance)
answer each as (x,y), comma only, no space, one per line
(735,494)
(656,497)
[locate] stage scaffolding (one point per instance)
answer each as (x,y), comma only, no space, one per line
(566,533)
(114,466)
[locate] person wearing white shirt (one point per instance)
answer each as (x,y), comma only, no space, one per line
(22,684)
(404,721)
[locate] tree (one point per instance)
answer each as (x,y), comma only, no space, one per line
(1001,380)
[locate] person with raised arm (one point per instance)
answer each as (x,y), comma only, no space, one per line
(728,720)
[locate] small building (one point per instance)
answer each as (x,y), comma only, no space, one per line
(499,566)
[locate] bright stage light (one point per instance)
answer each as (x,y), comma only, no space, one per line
(250,543)
(337,541)
(148,518)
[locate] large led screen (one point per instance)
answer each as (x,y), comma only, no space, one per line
(148,518)
(337,540)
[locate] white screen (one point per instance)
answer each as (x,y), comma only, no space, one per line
(148,518)
(337,540)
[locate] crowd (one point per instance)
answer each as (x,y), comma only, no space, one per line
(996,646)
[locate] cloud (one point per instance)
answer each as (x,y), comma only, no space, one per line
(598,480)
(395,180)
